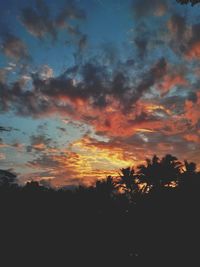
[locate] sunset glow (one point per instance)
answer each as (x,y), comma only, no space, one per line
(89,87)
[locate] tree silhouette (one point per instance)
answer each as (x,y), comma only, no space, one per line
(102,222)
(192,2)
(158,173)
(189,178)
(34,186)
(7,179)
(128,182)
(106,186)
(190,167)
(170,170)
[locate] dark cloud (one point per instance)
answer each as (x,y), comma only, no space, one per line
(13,47)
(58,170)
(96,88)
(192,96)
(179,33)
(3,75)
(39,143)
(44,161)
(192,2)
(178,26)
(64,130)
(82,43)
(144,117)
(71,11)
(5,97)
(40,23)
(152,76)
(37,20)
(193,44)
(7,129)
(142,35)
(141,45)
(184,38)
(109,54)
(146,8)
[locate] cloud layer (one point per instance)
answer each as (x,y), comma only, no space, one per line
(109,107)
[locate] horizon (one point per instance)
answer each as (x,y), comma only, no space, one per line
(91,86)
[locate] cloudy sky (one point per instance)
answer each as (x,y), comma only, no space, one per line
(90,86)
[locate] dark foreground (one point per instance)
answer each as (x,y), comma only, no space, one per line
(48,228)
(98,227)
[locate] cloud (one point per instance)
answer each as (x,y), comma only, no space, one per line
(84,100)
(37,20)
(192,110)
(3,75)
(46,72)
(70,11)
(146,8)
(80,164)
(14,48)
(192,2)
(39,143)
(177,26)
(40,23)
(184,37)
(6,129)
(2,156)
(82,43)
(17,146)
(62,129)
(62,168)
(89,158)
(141,44)
(193,50)
(170,81)
(192,137)
(133,103)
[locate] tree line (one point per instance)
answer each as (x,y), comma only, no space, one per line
(154,175)
(147,215)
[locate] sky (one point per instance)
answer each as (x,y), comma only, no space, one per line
(91,86)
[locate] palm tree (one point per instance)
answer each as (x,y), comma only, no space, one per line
(106,186)
(149,173)
(128,182)
(170,170)
(159,173)
(189,175)
(190,167)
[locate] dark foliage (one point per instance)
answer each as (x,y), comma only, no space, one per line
(192,2)
(144,217)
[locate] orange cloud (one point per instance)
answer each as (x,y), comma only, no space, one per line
(192,110)
(192,138)
(114,122)
(96,155)
(171,81)
(84,161)
(193,51)
(39,146)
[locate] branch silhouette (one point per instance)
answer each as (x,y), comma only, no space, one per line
(192,2)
